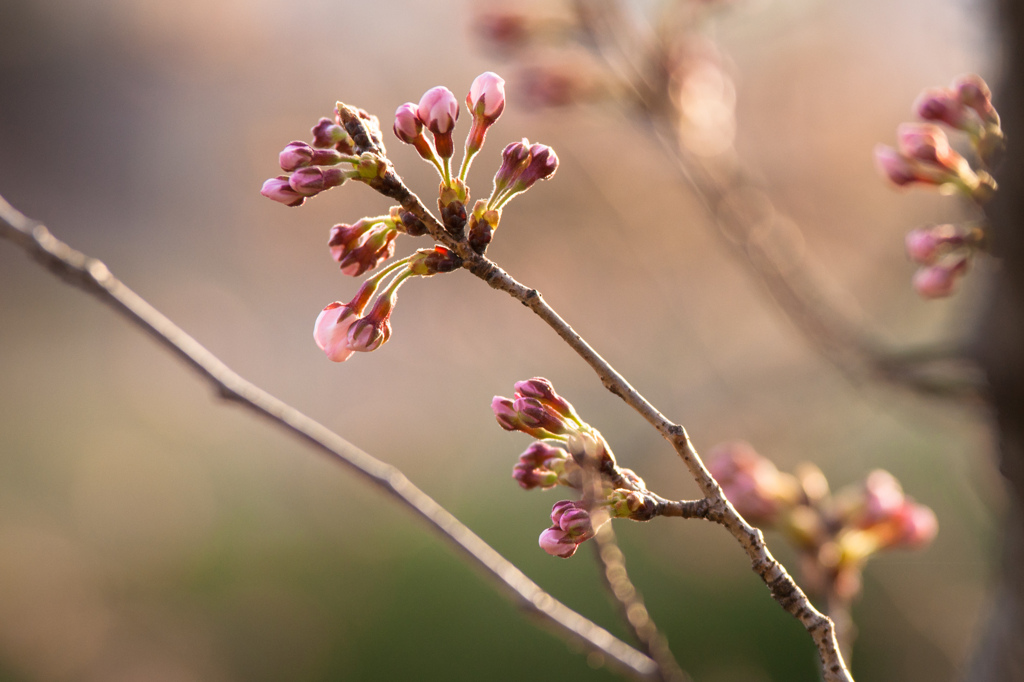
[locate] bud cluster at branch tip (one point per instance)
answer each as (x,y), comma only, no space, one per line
(923,155)
(835,533)
(350,147)
(566,450)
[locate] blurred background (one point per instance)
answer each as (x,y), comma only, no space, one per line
(150,532)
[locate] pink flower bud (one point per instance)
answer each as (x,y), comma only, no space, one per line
(514,160)
(543,163)
(374,247)
(505,412)
(372,331)
(438,110)
(926,244)
(576,524)
(556,542)
(312,181)
(299,155)
(973,91)
(279,189)
(751,482)
(939,104)
(331,330)
(328,134)
(925,142)
(408,126)
(894,166)
(534,415)
(486,98)
(938,281)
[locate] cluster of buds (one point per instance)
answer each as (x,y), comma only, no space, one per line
(350,147)
(342,329)
(834,533)
(924,156)
(326,163)
(567,450)
(943,253)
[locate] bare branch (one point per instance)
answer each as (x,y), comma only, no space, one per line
(93,276)
(782,586)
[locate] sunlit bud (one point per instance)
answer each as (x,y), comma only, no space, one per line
(514,160)
(973,91)
(938,281)
(559,508)
(894,166)
(926,244)
(486,98)
(344,237)
(327,133)
(407,125)
(438,110)
(371,332)
(279,189)
(374,247)
(943,106)
(406,222)
(925,142)
(486,101)
(299,155)
(506,413)
(576,524)
(541,389)
(539,466)
(631,504)
(557,542)
(311,181)
(331,330)
(428,262)
(534,415)
(543,164)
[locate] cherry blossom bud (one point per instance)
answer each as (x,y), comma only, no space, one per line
(943,106)
(279,189)
(438,110)
(557,542)
(514,160)
(408,126)
(331,330)
(894,166)
(543,163)
(372,331)
(486,98)
(973,91)
(506,413)
(925,245)
(541,389)
(938,281)
(502,30)
(429,262)
(576,524)
(559,508)
(926,142)
(540,466)
(312,181)
(327,134)
(373,247)
(299,155)
(535,415)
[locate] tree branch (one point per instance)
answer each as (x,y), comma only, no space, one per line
(92,276)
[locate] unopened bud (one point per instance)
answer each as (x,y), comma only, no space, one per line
(311,181)
(279,189)
(438,110)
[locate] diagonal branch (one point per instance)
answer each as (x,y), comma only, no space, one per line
(782,586)
(93,276)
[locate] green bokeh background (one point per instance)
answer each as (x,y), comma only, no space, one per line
(149,531)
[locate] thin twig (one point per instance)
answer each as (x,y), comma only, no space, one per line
(781,585)
(92,276)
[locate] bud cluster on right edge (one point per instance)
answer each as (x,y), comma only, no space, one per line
(835,533)
(923,156)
